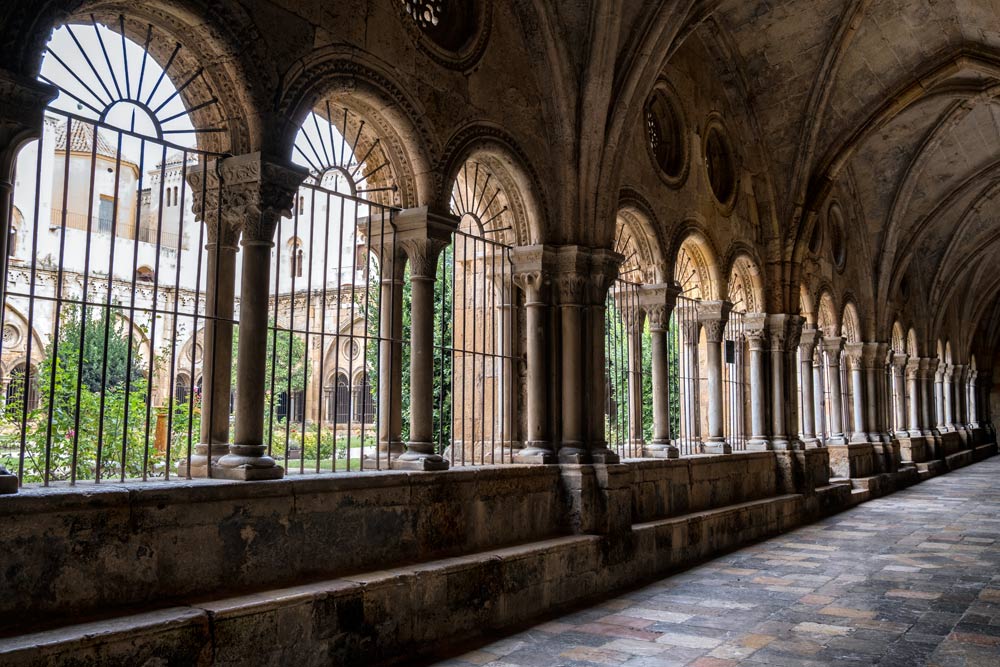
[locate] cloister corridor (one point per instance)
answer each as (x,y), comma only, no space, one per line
(908,579)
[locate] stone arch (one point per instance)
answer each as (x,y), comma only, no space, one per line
(639,213)
(807,305)
(745,289)
(500,154)
(826,315)
(850,322)
(912,347)
(219,39)
(898,340)
(636,242)
(338,74)
(696,266)
(948,358)
(14,317)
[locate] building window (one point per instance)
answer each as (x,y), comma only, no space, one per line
(16,390)
(105,215)
(364,402)
(295,258)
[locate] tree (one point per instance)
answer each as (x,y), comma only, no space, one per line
(109,356)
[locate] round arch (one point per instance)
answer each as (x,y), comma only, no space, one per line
(745,289)
(696,267)
(826,315)
(342,77)
(850,321)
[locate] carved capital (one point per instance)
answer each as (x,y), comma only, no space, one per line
(690,331)
(243,194)
(534,284)
(785,331)
(854,353)
(872,355)
(714,315)
(658,301)
(833,347)
(807,341)
(913,369)
(898,362)
(423,255)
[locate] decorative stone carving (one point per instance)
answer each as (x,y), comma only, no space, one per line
(714,315)
(658,301)
(423,255)
(854,353)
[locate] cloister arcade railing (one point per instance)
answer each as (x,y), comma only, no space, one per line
(110,327)
(477,344)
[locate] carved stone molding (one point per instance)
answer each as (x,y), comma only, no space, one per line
(854,353)
(658,301)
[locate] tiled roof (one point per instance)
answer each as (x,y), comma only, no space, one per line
(82,140)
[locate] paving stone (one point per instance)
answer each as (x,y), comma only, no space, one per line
(908,580)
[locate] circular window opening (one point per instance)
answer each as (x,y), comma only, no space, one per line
(448,23)
(719,163)
(835,220)
(665,134)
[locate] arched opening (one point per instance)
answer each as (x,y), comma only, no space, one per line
(107,253)
(479,332)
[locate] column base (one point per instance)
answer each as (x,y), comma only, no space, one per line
(716,447)
(661,449)
(811,443)
(601,453)
(419,456)
(387,454)
(759,445)
(859,439)
(247,463)
(914,433)
(783,444)
(535,452)
(204,456)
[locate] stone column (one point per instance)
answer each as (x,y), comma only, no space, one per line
(873,357)
(833,348)
(422,235)
(634,318)
(958,382)
(899,394)
(582,277)
(925,376)
(973,400)
(381,237)
(691,398)
(531,274)
(939,420)
(949,398)
(755,329)
(855,362)
(600,276)
(913,394)
(658,301)
(713,316)
(256,193)
(784,332)
(819,389)
(807,347)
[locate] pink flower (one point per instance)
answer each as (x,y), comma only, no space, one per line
(70,434)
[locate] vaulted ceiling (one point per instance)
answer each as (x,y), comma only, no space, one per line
(901,98)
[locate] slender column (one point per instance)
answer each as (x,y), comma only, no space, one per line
(658,302)
(939,417)
(833,348)
(855,353)
(713,316)
(423,235)
(819,390)
(258,192)
(958,382)
(379,231)
(784,332)
(691,403)
(924,376)
(600,276)
(949,398)
(756,333)
(899,394)
(913,395)
(973,400)
(635,320)
(874,355)
(531,275)
(807,347)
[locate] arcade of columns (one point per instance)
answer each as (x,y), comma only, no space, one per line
(565,288)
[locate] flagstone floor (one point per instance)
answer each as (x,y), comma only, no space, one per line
(910,579)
